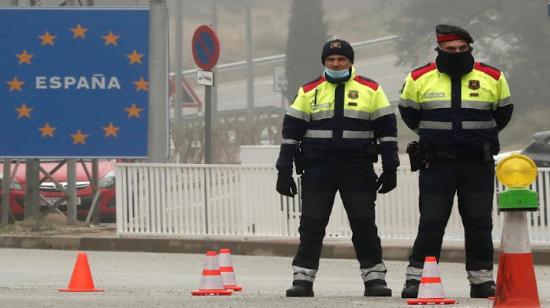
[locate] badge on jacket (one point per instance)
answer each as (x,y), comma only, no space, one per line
(473,84)
(353,94)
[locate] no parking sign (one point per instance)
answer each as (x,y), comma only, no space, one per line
(206,51)
(206,47)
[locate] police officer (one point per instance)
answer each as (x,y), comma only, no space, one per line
(336,121)
(457,107)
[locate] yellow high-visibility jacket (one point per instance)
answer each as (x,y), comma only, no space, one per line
(449,114)
(336,121)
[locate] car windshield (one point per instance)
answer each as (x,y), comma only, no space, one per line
(540,144)
(537,147)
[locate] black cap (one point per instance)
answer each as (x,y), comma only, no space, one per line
(446,33)
(337,47)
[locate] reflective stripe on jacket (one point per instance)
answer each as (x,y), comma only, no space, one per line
(483,107)
(335,121)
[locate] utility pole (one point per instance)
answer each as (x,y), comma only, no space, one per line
(178,104)
(157,146)
(32,172)
(249,64)
(214,96)
(32,206)
(71,191)
(6,182)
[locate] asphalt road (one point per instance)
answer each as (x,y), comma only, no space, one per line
(30,278)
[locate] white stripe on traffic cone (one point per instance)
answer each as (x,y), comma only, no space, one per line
(430,291)
(516,281)
(226,269)
(211,280)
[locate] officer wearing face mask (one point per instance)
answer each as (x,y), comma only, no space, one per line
(339,123)
(457,107)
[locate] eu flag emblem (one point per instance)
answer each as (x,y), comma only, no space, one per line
(74,82)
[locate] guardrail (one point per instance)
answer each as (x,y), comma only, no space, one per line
(176,199)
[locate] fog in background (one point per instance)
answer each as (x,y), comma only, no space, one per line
(512,35)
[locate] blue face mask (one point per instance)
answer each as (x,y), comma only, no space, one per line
(337,73)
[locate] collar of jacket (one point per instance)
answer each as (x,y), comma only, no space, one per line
(341,80)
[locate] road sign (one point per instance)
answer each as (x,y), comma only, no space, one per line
(206,47)
(205,78)
(74,82)
(279,79)
(189,98)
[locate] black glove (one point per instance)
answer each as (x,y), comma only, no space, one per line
(286,185)
(387,180)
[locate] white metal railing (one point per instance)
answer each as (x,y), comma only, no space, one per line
(177,199)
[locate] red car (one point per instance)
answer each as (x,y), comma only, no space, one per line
(51,194)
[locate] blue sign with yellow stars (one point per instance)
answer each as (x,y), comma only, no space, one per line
(74,82)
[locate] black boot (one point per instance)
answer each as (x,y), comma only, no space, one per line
(482,290)
(376,287)
(300,288)
(411,289)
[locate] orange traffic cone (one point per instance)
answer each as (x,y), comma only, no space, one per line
(226,269)
(516,282)
(81,279)
(431,288)
(211,280)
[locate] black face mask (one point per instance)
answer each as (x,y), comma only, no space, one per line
(454,64)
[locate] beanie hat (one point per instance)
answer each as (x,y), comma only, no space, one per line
(337,47)
(446,33)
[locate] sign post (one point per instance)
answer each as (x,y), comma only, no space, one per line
(280,83)
(206,51)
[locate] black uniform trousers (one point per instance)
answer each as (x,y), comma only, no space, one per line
(355,180)
(473,182)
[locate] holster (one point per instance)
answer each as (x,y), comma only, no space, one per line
(416,155)
(488,149)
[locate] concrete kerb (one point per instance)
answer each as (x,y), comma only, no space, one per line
(264,246)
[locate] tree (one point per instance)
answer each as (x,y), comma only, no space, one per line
(307,32)
(508,34)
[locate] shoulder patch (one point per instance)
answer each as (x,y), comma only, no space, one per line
(367,82)
(487,69)
(313,84)
(416,73)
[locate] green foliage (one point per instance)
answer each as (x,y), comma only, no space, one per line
(307,33)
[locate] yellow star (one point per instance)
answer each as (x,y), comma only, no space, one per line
(110,39)
(47,38)
(111,130)
(141,84)
(15,84)
(79,137)
(24,57)
(24,111)
(135,57)
(47,130)
(133,111)
(79,31)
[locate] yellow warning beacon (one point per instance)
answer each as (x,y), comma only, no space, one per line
(517,172)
